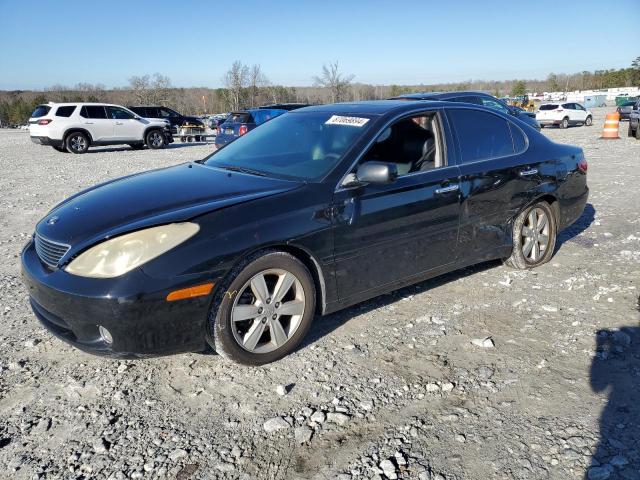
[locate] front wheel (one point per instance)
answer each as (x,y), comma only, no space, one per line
(264,309)
(77,142)
(534,237)
(155,139)
(588,122)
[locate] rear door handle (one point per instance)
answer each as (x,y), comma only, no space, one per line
(119,123)
(526,173)
(450,188)
(88,123)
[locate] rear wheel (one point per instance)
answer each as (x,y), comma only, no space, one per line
(564,123)
(534,237)
(155,139)
(263,311)
(638,132)
(630,131)
(589,121)
(77,142)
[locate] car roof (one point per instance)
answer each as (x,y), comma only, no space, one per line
(423,95)
(100,104)
(368,107)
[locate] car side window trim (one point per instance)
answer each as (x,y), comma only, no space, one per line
(510,124)
(444,145)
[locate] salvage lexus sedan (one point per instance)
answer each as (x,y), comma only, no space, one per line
(311,212)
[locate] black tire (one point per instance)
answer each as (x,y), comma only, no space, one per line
(155,139)
(219,326)
(541,126)
(564,123)
(77,142)
(630,131)
(518,259)
(589,121)
(137,146)
(638,132)
(61,149)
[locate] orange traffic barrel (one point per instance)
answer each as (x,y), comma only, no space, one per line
(611,123)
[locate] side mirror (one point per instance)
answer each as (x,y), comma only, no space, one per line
(377,173)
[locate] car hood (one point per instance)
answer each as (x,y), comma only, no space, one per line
(168,195)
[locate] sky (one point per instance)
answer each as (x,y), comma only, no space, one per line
(194,43)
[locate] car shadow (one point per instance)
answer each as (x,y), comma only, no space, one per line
(580,225)
(322,326)
(615,369)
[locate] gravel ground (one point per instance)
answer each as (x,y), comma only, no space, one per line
(392,388)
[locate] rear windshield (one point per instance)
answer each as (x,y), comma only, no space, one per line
(261,116)
(550,106)
(243,117)
(40,111)
(304,146)
(65,111)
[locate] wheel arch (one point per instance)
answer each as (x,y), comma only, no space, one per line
(71,130)
(148,130)
(548,197)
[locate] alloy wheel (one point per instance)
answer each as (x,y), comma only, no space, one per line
(156,139)
(535,235)
(267,311)
(78,143)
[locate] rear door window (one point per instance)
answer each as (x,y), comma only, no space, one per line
(549,106)
(568,106)
(520,140)
(481,135)
(65,111)
(40,111)
(93,111)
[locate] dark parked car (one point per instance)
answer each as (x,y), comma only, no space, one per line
(634,121)
(477,98)
(286,106)
(175,119)
(626,108)
(311,212)
(239,123)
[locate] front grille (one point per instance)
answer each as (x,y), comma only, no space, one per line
(50,252)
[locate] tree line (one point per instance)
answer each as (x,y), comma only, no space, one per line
(248,86)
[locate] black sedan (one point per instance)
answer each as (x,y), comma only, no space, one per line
(316,210)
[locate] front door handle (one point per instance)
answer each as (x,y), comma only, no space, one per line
(119,123)
(526,173)
(450,188)
(88,123)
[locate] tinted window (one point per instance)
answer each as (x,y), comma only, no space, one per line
(294,145)
(519,139)
(40,111)
(117,113)
(65,111)
(167,113)
(242,117)
(495,104)
(481,135)
(549,106)
(468,99)
(568,106)
(577,106)
(140,111)
(93,111)
(261,116)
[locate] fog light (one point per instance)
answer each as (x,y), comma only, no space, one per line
(105,334)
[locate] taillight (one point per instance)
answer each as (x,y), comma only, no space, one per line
(44,122)
(583,165)
(243,129)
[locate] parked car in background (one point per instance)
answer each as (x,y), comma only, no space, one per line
(477,98)
(634,121)
(563,115)
(74,127)
(174,118)
(626,108)
(286,106)
(314,211)
(216,120)
(239,123)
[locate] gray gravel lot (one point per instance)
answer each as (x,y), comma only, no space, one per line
(392,388)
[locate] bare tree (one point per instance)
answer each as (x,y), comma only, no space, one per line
(257,79)
(150,90)
(140,87)
(336,82)
(236,81)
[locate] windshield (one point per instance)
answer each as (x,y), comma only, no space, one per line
(301,145)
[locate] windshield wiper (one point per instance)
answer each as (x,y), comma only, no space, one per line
(250,171)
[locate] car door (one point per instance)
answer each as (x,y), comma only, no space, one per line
(385,234)
(94,119)
(126,126)
(570,111)
(581,113)
(498,178)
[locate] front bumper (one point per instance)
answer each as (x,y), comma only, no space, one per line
(52,142)
(133,308)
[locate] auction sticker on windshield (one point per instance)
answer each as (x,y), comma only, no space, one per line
(350,121)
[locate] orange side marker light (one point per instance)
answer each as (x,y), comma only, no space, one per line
(191,292)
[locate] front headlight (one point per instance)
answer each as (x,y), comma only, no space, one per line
(122,254)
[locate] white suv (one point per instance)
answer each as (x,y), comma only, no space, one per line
(74,127)
(563,115)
